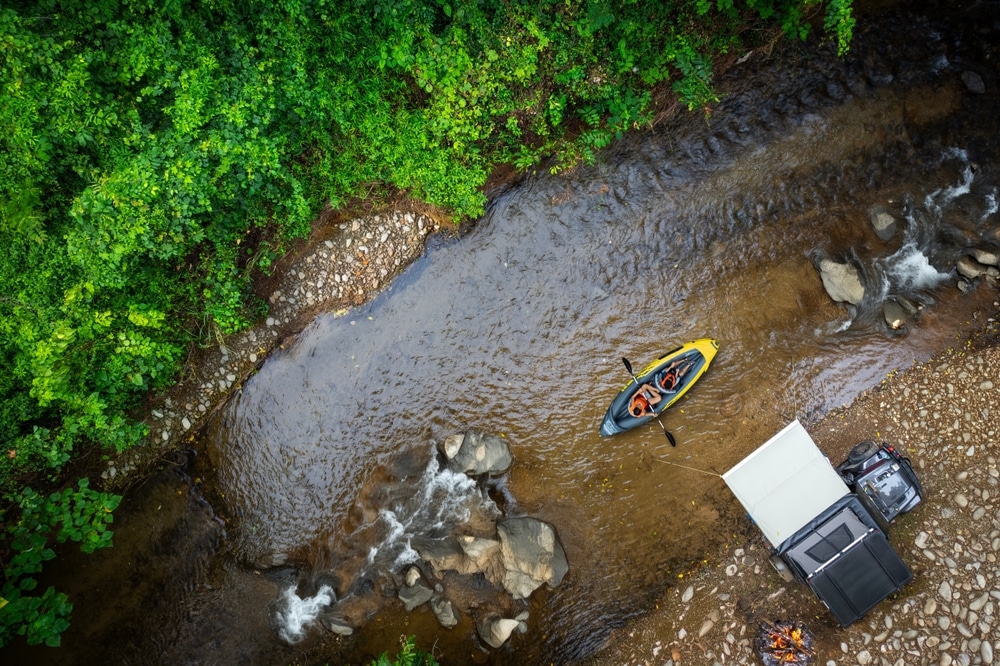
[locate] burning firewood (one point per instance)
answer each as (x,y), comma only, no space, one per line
(784,643)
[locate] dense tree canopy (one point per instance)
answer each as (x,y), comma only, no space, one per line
(154,153)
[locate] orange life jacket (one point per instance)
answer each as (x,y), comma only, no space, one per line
(637,407)
(670,375)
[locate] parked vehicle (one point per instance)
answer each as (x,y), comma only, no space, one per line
(829,527)
(883,479)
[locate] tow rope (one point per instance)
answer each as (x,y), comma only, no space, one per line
(693,469)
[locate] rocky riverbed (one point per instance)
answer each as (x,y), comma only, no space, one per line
(945,414)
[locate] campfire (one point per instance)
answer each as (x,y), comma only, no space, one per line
(781,643)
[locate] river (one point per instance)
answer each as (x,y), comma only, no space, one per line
(704,227)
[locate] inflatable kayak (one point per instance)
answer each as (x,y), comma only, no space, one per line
(663,382)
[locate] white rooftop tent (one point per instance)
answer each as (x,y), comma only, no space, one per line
(785,483)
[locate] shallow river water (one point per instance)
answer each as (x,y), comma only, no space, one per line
(706,227)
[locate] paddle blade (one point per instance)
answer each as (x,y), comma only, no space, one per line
(628,366)
(670,437)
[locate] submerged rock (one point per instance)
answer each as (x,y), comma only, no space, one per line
(271,560)
(895,314)
(911,308)
(973,82)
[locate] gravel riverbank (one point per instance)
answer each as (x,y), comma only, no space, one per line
(342,265)
(946,415)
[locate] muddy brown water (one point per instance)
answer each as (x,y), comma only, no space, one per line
(703,228)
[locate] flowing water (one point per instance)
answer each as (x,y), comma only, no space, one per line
(323,465)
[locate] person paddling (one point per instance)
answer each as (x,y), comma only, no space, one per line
(671,376)
(642,402)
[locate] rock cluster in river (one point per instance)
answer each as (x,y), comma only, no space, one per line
(482,570)
(851,281)
(521,555)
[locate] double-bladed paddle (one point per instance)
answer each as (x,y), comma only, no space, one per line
(670,438)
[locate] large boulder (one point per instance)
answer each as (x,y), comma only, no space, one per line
(970,268)
(531,555)
(841,281)
(337,625)
(415,595)
(987,257)
(475,453)
(481,554)
(442,554)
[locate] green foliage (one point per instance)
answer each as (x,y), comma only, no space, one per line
(840,22)
(408,655)
(78,514)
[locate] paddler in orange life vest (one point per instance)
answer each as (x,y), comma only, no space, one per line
(670,377)
(643,400)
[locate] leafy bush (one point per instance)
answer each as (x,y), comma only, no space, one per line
(408,655)
(77,514)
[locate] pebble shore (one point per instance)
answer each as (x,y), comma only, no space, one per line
(945,415)
(343,265)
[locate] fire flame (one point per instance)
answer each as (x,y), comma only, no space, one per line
(784,643)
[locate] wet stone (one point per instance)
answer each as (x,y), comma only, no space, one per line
(973,82)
